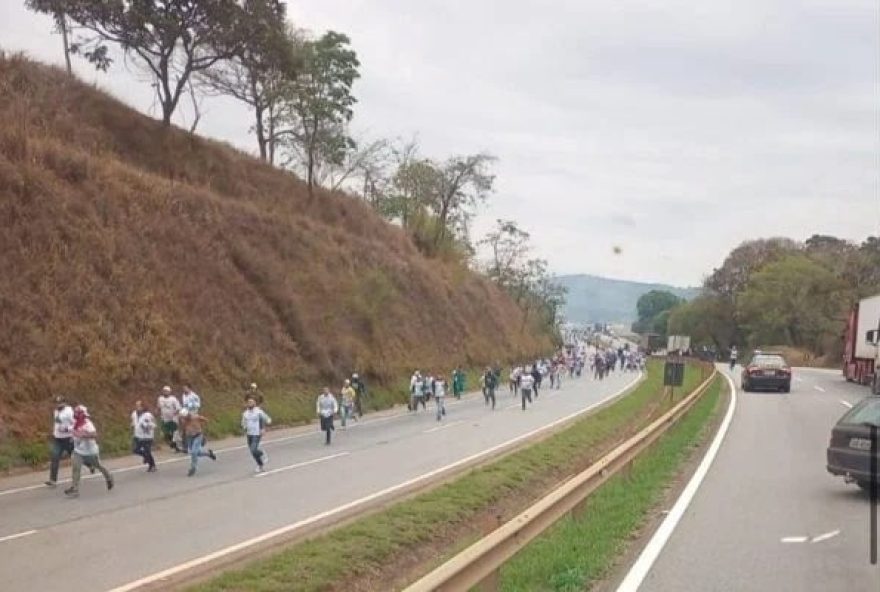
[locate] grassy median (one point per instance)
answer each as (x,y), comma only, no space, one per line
(377,543)
(579,551)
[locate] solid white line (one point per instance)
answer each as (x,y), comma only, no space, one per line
(649,554)
(818,388)
(825,537)
(19,535)
(167,573)
(846,404)
(443,427)
(794,539)
(302,464)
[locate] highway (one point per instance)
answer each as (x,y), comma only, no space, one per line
(163,522)
(767,515)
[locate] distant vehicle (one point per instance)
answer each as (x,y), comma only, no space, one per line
(767,370)
(849,451)
(678,342)
(861,356)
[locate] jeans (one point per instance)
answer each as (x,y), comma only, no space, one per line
(253,443)
(490,394)
(526,394)
(168,429)
(59,447)
(89,461)
(327,427)
(441,407)
(144,448)
(194,446)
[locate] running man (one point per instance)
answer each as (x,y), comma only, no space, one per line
(734,354)
(417,391)
(457,382)
(169,407)
(193,426)
(490,383)
(360,389)
(254,421)
(326,407)
(85,450)
(440,396)
(62,437)
(191,399)
(348,398)
(526,382)
(143,425)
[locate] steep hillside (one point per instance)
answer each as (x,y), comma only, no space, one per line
(133,256)
(594,299)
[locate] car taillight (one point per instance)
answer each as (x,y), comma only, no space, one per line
(754,370)
(786,370)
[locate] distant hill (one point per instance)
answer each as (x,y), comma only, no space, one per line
(594,299)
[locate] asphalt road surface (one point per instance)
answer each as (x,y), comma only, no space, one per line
(154,522)
(767,515)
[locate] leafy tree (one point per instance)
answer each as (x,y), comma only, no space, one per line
(733,275)
(55,8)
(793,301)
(317,107)
(465,181)
(708,318)
(509,246)
(171,39)
(255,75)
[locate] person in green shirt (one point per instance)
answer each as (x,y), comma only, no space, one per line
(457,382)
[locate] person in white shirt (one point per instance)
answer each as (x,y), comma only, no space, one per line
(143,425)
(191,399)
(416,391)
(526,382)
(440,396)
(62,437)
(169,407)
(326,407)
(85,450)
(254,421)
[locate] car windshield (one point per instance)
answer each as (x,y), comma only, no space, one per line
(769,360)
(866,412)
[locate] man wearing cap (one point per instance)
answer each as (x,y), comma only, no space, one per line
(62,437)
(85,450)
(169,407)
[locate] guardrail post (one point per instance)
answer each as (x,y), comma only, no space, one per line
(492,582)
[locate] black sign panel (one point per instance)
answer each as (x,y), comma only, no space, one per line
(673,374)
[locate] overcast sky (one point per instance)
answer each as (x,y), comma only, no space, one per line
(672,128)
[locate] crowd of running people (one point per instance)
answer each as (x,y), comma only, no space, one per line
(181,423)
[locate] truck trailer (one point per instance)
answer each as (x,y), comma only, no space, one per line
(860,350)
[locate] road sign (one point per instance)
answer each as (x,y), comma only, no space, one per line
(673,374)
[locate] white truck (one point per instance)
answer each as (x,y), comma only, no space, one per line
(861,353)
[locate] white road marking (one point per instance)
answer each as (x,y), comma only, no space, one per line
(167,573)
(19,535)
(302,464)
(794,539)
(846,404)
(825,537)
(443,427)
(649,554)
(818,388)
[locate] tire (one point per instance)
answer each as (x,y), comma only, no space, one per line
(745,387)
(786,388)
(864,486)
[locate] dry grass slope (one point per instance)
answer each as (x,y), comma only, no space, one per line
(133,255)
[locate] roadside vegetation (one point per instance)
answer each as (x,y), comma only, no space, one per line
(411,536)
(579,551)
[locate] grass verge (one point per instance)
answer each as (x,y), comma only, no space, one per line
(579,551)
(365,553)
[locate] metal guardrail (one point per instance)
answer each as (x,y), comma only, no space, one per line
(479,563)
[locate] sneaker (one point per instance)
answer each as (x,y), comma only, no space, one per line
(152,469)
(71,492)
(51,483)
(211,454)
(259,470)
(110,483)
(92,470)
(190,472)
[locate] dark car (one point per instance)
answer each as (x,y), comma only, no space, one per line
(849,451)
(767,371)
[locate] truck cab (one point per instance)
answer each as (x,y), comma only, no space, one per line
(872,338)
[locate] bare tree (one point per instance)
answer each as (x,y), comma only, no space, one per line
(465,181)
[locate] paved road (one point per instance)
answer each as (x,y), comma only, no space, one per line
(104,540)
(768,516)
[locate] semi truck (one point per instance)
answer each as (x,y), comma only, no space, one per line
(861,354)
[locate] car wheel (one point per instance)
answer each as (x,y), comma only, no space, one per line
(864,485)
(786,388)
(745,387)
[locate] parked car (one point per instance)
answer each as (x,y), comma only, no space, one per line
(849,451)
(766,370)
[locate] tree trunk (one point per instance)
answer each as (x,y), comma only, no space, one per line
(261,134)
(61,19)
